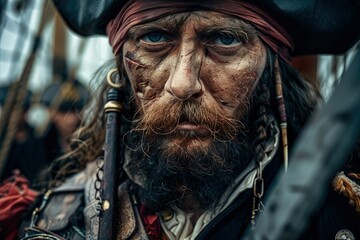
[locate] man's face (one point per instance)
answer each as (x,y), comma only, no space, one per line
(192,74)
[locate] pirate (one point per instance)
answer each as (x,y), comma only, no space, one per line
(209,106)
(64,102)
(24,141)
(31,151)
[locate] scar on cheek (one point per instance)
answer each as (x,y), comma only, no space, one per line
(133,63)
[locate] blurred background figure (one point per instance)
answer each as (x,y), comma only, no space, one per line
(33,149)
(23,151)
(38,52)
(64,102)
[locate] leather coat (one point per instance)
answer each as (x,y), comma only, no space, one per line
(70,212)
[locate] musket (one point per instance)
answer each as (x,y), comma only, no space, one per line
(109,186)
(322,149)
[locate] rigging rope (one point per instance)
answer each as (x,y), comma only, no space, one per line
(13,106)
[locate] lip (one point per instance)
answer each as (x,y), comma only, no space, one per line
(188,126)
(197,129)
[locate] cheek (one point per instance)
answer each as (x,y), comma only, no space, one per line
(231,86)
(147,80)
(246,81)
(235,81)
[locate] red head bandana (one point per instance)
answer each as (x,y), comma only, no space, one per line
(136,12)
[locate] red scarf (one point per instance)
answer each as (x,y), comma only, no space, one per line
(151,223)
(15,198)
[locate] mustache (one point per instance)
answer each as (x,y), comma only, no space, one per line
(162,118)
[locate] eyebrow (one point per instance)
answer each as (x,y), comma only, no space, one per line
(233,25)
(239,32)
(167,23)
(173,24)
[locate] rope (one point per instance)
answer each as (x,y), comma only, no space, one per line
(13,106)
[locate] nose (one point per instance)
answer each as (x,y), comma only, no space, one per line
(184,80)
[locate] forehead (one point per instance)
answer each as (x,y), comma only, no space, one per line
(200,20)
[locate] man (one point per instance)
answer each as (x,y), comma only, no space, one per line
(21,153)
(209,104)
(32,152)
(20,162)
(64,102)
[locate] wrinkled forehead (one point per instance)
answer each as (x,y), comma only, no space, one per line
(201,21)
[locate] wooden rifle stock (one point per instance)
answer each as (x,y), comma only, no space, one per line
(113,109)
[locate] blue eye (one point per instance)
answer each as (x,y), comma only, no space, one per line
(154,37)
(226,40)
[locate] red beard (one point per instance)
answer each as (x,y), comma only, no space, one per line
(186,127)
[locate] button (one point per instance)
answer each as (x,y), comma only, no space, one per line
(344,234)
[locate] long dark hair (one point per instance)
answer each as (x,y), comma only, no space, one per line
(301,99)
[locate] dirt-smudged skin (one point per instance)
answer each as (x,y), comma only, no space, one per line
(204,57)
